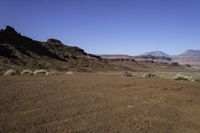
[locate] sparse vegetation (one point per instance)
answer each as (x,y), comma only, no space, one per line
(54,73)
(197,80)
(10,72)
(183,77)
(51,73)
(128,74)
(26,72)
(149,75)
(40,72)
(69,73)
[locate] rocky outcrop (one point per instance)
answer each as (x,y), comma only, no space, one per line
(24,52)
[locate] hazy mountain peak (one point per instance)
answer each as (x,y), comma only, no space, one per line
(191,52)
(190,56)
(156,54)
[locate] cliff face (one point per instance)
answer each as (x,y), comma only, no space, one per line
(23,52)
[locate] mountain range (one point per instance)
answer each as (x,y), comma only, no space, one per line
(190,57)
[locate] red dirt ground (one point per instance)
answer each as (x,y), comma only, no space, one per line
(97,103)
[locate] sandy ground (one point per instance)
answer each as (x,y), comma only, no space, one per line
(92,103)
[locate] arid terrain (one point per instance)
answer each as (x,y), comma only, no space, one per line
(52,87)
(100,66)
(98,103)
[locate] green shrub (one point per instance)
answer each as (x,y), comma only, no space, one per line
(10,72)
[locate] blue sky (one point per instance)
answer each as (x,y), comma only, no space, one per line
(108,26)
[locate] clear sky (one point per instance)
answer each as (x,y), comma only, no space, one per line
(108,26)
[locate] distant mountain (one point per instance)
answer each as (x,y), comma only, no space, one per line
(23,52)
(147,55)
(191,57)
(155,56)
(191,53)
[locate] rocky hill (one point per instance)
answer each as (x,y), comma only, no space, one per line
(191,57)
(20,51)
(158,56)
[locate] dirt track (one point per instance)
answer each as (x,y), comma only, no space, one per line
(97,103)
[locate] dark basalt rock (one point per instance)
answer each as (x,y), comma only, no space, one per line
(52,40)
(23,44)
(22,51)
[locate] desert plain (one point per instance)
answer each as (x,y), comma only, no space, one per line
(98,103)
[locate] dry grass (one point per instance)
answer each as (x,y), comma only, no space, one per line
(10,72)
(183,77)
(128,74)
(26,72)
(69,73)
(40,72)
(149,75)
